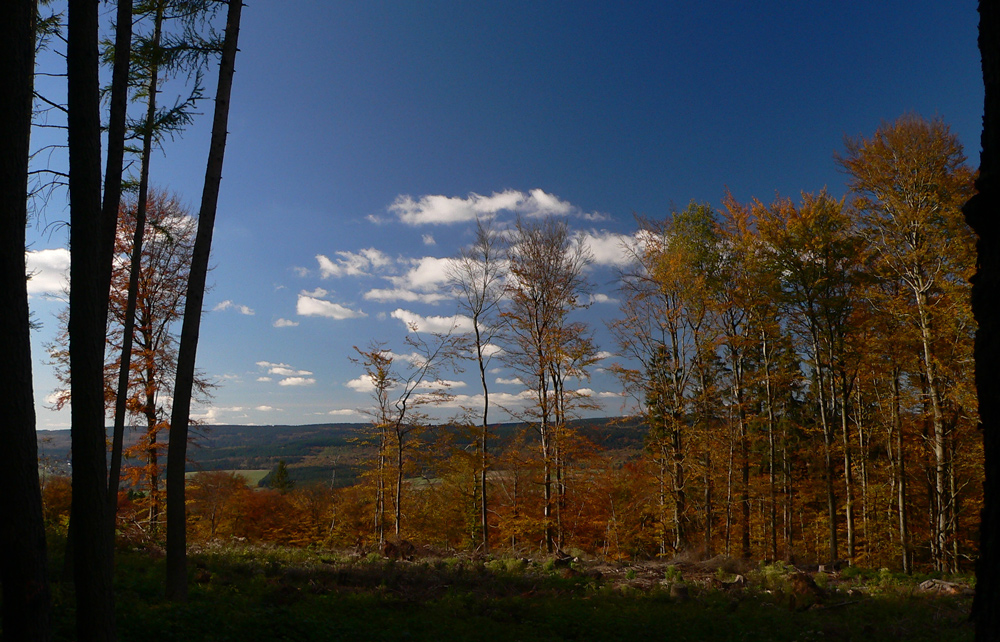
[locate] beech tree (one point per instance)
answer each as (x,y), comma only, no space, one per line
(399,394)
(149,332)
(547,282)
(911,180)
(814,250)
(478,277)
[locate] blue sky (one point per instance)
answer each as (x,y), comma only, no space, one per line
(363,135)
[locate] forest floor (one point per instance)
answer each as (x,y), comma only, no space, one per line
(250,593)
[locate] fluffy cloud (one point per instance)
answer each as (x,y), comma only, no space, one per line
(587,392)
(311,306)
(385,295)
(502,399)
(344,412)
(49,270)
(609,248)
(602,298)
(424,281)
(360,263)
(426,273)
(290,376)
(457,324)
(429,239)
(513,381)
(229,305)
(264,408)
(285,323)
(282,369)
(442,210)
(361,384)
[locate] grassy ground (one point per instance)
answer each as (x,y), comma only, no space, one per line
(250,594)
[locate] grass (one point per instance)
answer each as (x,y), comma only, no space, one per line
(247,594)
(252,476)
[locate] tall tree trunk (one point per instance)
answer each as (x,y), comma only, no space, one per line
(109,210)
(484,437)
(707,472)
(398,508)
(135,269)
(23,572)
(848,467)
(831,498)
(176,588)
(940,523)
(93,553)
(897,424)
(982,213)
(771,474)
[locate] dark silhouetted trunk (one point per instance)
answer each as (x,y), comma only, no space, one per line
(176,588)
(93,558)
(22,535)
(983,213)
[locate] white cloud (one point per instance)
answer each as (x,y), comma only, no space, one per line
(587,392)
(610,248)
(442,210)
(229,305)
(457,324)
(359,263)
(297,381)
(399,294)
(513,381)
(264,379)
(344,412)
(429,239)
(427,273)
(538,204)
(264,408)
(442,384)
(310,306)
(282,369)
(212,413)
(285,323)
(504,399)
(604,354)
(602,298)
(49,270)
(361,384)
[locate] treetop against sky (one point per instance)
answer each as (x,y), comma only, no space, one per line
(366,138)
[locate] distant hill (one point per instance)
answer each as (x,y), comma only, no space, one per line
(319,452)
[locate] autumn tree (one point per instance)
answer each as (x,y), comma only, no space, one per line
(400,394)
(910,181)
(149,332)
(171,47)
(547,282)
(815,251)
(23,569)
(477,275)
(157,303)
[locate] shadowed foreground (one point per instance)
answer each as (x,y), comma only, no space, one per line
(286,594)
